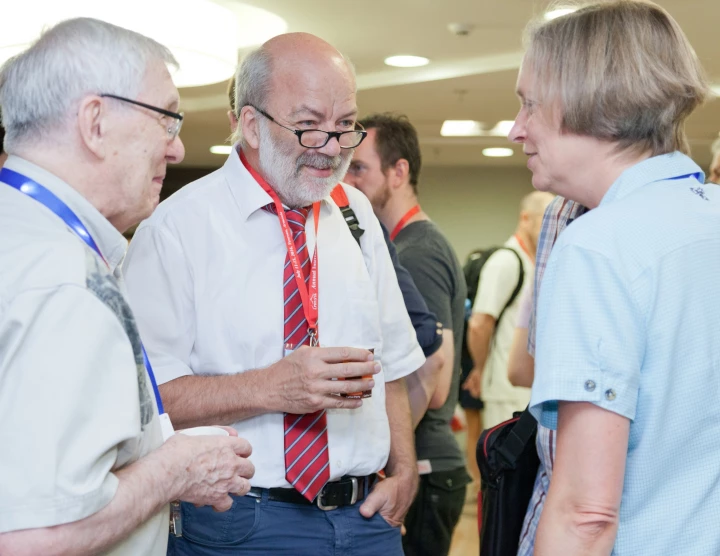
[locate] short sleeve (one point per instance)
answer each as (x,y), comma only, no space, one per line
(590,336)
(498,279)
(159,285)
(425,323)
(68,399)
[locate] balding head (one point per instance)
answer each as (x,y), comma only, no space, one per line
(298,82)
(536,202)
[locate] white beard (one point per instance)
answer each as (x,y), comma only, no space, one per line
(285,174)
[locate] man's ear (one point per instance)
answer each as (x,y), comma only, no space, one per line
(93,125)
(249,123)
(400,172)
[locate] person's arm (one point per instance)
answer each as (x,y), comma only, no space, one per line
(582,509)
(497,281)
(393,496)
(481,328)
(298,383)
(422,384)
(193,469)
(444,377)
(521,365)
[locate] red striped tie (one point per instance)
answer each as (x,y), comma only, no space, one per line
(307,464)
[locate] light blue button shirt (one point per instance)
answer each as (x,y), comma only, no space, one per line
(629,319)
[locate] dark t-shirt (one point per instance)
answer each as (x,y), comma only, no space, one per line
(436,271)
(424,322)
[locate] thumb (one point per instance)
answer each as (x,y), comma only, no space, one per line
(372,504)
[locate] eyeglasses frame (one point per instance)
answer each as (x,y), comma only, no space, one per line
(178,116)
(299,132)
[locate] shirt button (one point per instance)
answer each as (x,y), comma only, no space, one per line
(589,385)
(610,395)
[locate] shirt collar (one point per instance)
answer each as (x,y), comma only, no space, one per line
(249,195)
(109,240)
(657,168)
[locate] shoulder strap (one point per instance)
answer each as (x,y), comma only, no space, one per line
(518,286)
(514,444)
(341,200)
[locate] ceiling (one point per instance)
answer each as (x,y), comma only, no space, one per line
(469,78)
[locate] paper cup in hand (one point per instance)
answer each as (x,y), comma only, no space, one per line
(204,431)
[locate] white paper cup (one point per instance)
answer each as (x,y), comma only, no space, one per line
(204,431)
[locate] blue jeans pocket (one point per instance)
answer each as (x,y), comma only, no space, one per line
(206,527)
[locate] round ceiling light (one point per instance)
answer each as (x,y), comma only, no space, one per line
(498,152)
(203,36)
(406,61)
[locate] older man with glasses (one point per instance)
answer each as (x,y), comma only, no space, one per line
(84,467)
(260,310)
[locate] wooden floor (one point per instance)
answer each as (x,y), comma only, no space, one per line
(465,539)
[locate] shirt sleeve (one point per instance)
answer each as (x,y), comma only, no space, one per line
(68,399)
(402,354)
(590,336)
(498,279)
(427,328)
(159,284)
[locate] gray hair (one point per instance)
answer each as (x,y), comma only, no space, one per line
(621,71)
(252,83)
(41,87)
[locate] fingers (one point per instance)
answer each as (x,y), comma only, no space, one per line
(231,431)
(224,504)
(240,486)
(245,469)
(375,500)
(240,446)
(341,354)
(349,369)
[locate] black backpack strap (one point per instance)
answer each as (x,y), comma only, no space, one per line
(514,444)
(518,287)
(352,222)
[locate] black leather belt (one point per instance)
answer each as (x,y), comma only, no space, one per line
(344,492)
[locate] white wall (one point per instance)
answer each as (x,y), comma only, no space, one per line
(474,207)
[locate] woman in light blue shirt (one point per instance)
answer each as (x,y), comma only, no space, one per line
(627,369)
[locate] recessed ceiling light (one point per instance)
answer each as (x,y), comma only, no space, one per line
(502,128)
(221,149)
(559,13)
(498,152)
(208,54)
(407,61)
(461,128)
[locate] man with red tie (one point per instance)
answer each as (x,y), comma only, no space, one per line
(259,310)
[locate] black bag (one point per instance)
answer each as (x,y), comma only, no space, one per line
(508,463)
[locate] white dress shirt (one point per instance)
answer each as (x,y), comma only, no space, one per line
(205,280)
(73,397)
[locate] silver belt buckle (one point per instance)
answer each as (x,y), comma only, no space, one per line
(353,498)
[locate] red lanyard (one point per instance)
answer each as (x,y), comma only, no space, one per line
(522,246)
(308,297)
(400,225)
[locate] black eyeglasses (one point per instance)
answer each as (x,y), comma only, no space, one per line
(173,129)
(317,138)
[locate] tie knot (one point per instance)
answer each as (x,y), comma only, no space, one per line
(296,217)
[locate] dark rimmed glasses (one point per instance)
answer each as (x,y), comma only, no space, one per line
(173,129)
(317,138)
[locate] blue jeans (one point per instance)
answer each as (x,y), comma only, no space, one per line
(261,526)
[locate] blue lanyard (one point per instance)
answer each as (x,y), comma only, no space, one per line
(46,197)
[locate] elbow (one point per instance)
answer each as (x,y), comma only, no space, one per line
(591,524)
(440,394)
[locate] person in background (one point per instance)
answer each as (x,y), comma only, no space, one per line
(714,171)
(606,381)
(91,122)
(492,324)
(386,168)
(423,382)
(253,297)
(520,363)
